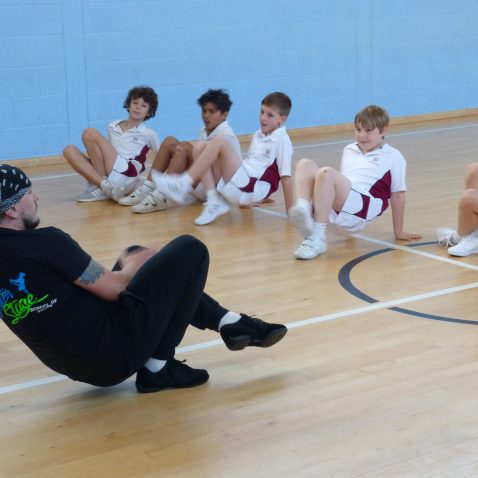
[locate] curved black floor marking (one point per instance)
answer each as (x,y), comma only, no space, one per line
(346,283)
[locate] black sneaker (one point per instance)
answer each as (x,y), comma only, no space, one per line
(253,332)
(174,374)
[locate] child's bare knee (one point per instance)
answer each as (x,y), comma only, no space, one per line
(303,164)
(69,150)
(89,134)
(469,199)
(324,172)
(472,171)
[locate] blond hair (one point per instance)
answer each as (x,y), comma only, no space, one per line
(372,116)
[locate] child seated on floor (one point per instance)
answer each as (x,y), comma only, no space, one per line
(372,173)
(112,167)
(253,180)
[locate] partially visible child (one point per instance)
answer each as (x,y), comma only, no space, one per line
(463,241)
(112,166)
(372,173)
(175,156)
(240,182)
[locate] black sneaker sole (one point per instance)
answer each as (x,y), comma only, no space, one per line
(271,338)
(237,343)
(143,389)
(242,341)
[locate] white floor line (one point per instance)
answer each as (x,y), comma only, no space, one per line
(411,250)
(393,135)
(414,250)
(292,325)
(58,176)
(314,320)
(315,145)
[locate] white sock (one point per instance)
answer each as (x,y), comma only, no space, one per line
(305,204)
(320,229)
(154,365)
(455,238)
(229,318)
(213,196)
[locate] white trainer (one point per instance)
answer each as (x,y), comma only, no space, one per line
(111,190)
(138,194)
(301,220)
(444,236)
(211,211)
(173,186)
(156,201)
(93,193)
(311,247)
(467,246)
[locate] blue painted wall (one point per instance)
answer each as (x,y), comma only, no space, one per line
(68,64)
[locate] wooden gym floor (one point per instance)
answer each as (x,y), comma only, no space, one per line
(377,377)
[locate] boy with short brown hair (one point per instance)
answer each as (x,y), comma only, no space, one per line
(372,173)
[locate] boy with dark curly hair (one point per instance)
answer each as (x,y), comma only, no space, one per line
(112,167)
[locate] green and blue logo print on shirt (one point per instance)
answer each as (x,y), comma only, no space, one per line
(19,305)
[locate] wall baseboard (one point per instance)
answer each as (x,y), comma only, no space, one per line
(293,133)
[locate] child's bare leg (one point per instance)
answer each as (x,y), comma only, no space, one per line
(81,164)
(331,189)
(468,212)
(471,176)
(304,179)
(330,192)
(173,156)
(100,152)
(217,150)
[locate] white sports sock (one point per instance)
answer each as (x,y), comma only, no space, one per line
(455,238)
(154,365)
(229,318)
(213,196)
(304,203)
(320,229)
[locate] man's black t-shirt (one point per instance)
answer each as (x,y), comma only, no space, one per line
(59,321)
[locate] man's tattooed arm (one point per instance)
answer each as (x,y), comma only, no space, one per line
(92,273)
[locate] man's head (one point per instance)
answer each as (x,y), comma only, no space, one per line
(143,94)
(275,109)
(215,106)
(18,202)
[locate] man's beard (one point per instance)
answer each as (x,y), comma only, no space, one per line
(30,224)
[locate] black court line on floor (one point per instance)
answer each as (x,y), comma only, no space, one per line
(346,283)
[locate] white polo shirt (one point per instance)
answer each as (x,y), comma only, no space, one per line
(130,144)
(222,129)
(265,149)
(377,173)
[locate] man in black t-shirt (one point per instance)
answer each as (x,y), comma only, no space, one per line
(100,326)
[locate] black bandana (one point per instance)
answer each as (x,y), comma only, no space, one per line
(14,184)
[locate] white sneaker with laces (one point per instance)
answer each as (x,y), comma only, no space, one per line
(173,186)
(311,247)
(138,194)
(156,201)
(302,220)
(444,236)
(466,247)
(92,194)
(211,211)
(112,190)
